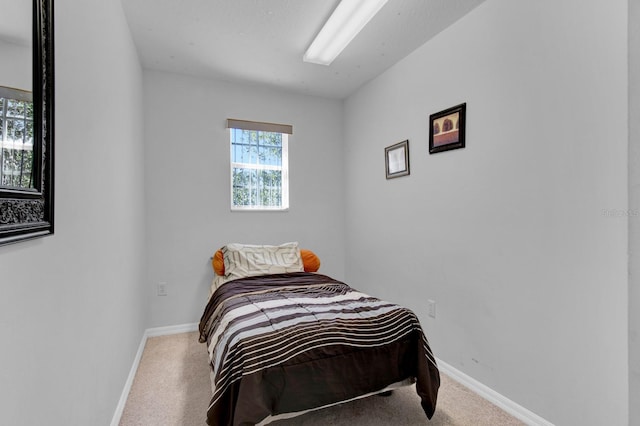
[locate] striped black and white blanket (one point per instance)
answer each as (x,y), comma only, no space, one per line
(287,343)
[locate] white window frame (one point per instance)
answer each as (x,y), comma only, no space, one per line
(284,130)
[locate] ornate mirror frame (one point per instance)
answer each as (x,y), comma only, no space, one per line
(28,213)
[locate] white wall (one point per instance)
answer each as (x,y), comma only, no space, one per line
(521,237)
(634,210)
(73,310)
(15,66)
(187,184)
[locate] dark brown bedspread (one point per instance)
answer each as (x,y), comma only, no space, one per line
(290,342)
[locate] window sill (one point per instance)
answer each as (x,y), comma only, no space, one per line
(257,210)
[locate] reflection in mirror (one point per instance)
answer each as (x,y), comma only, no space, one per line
(16,44)
(16,136)
(16,99)
(26,119)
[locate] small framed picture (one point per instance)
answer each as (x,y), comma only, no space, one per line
(396,159)
(447,129)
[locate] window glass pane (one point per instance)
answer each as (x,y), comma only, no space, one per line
(236,153)
(253,147)
(5,167)
(29,110)
(22,172)
(244,144)
(270,149)
(16,139)
(270,187)
(258,188)
(28,140)
(15,108)
(16,167)
(15,130)
(241,192)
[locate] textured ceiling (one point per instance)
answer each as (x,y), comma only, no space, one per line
(262,41)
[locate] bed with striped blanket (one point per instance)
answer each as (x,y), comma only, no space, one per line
(287,343)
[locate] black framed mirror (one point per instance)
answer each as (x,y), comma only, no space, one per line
(26,121)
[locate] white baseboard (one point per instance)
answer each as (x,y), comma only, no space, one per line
(150,332)
(492,396)
(172,329)
(487,393)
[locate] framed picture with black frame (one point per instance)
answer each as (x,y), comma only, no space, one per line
(396,159)
(447,129)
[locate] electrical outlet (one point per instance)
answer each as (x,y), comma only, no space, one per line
(162,289)
(432,308)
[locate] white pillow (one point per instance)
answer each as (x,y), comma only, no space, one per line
(217,282)
(247,260)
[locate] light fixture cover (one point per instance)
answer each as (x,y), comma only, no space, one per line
(343,25)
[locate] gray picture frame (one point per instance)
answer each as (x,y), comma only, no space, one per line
(396,160)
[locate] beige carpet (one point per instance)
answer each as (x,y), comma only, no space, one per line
(172,388)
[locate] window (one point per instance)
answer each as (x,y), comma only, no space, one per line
(259,165)
(16,138)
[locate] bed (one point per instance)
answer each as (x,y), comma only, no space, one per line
(284,339)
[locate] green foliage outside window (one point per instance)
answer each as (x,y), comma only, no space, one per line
(257,168)
(257,187)
(16,137)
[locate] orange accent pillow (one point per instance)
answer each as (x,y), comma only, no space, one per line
(310,261)
(218,263)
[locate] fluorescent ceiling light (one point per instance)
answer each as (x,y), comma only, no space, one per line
(342,26)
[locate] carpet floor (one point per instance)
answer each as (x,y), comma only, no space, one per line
(172,388)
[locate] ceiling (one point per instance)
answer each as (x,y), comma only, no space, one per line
(262,41)
(15,22)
